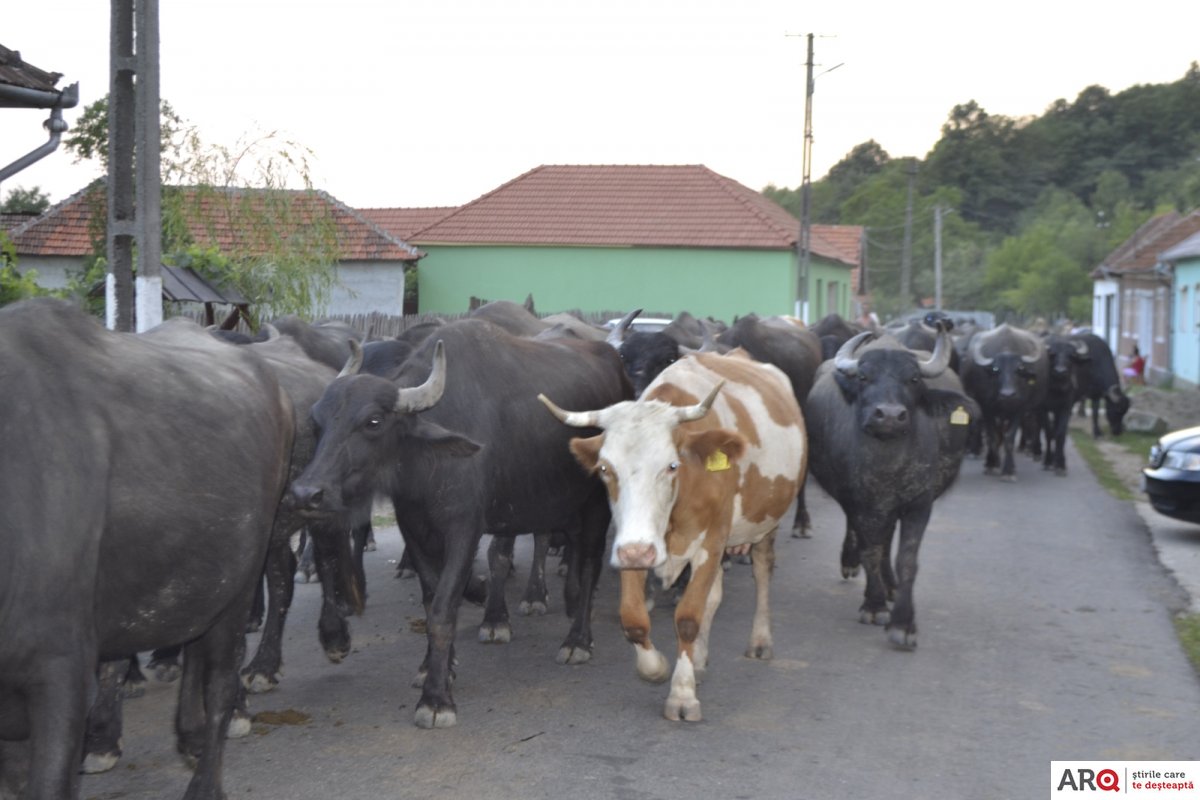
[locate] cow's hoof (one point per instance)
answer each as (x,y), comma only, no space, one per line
(849,572)
(867,617)
(253,626)
(259,682)
(572,654)
(370,546)
(166,672)
(762,652)
(95,763)
(652,666)
(303,576)
(1008,478)
(427,717)
(337,653)
(239,725)
(990,471)
(536,607)
(903,639)
(800,532)
(500,633)
(1061,472)
(682,710)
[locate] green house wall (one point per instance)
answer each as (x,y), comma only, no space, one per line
(718,283)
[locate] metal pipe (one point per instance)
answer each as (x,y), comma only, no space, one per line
(57,126)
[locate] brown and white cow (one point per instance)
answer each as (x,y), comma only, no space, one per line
(693,470)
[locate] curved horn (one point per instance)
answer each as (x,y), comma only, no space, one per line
(708,345)
(617,335)
(844,361)
(689,413)
(1038,349)
(576,419)
(419,398)
(936,364)
(353,363)
(1081,348)
(976,355)
(271,331)
(1114,393)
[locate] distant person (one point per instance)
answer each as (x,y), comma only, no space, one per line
(869,319)
(1135,370)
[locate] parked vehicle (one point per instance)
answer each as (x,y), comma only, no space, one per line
(1172,478)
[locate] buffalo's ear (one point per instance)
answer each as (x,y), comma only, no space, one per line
(717,448)
(448,442)
(587,451)
(848,384)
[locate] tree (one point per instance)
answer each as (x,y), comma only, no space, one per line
(273,238)
(25,201)
(14,285)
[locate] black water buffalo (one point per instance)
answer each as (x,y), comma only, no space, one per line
(139,484)
(1067,359)
(792,349)
(303,380)
(644,354)
(520,320)
(888,429)
(834,331)
(1005,371)
(1100,380)
(921,334)
(464,449)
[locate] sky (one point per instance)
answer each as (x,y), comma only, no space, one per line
(414,103)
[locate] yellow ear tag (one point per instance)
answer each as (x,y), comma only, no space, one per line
(717,462)
(959,416)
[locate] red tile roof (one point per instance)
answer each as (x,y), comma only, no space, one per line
(1140,252)
(649,206)
(404,222)
(66,229)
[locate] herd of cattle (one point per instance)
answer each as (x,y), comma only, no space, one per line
(152,484)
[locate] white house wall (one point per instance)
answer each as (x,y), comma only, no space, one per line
(366,287)
(1185,328)
(52,271)
(1106,312)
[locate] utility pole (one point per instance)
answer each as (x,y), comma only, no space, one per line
(134,190)
(906,255)
(802,244)
(803,251)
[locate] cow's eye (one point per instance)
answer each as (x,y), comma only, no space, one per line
(674,465)
(373,423)
(603,470)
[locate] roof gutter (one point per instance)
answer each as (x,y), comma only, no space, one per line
(20,97)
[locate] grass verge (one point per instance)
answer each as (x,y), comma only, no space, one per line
(1100,467)
(1187,626)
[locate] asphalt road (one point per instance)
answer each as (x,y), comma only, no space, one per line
(1045,633)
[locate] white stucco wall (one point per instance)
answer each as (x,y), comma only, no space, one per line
(365,287)
(52,271)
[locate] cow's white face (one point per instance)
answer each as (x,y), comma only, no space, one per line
(638,460)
